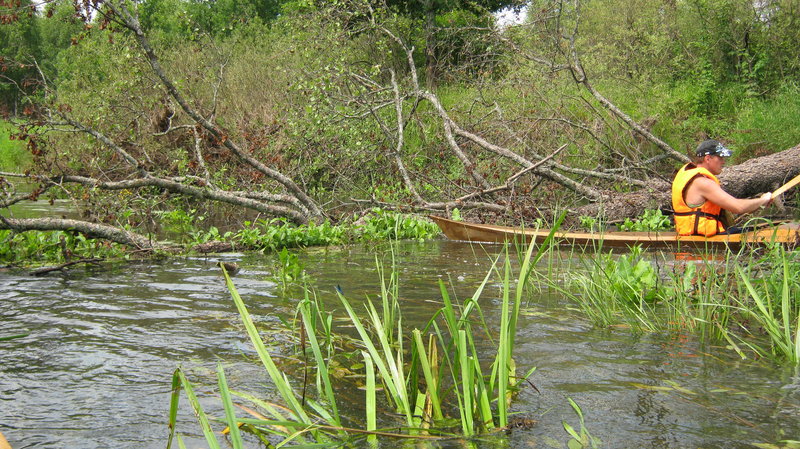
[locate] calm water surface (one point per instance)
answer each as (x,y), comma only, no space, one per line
(95,371)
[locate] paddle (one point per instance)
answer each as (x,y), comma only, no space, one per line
(787,186)
(728,218)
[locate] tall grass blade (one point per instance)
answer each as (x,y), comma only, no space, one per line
(385,362)
(175,398)
(430,380)
(467,390)
(227,404)
(211,439)
(279,379)
(371,403)
(322,365)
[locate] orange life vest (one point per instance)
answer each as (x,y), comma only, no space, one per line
(704,220)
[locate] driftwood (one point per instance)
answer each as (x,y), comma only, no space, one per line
(45,270)
(213,247)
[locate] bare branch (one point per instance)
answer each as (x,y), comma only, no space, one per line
(94,230)
(132,23)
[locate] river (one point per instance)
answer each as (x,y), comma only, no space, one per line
(95,370)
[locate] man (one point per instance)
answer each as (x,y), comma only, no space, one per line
(697,198)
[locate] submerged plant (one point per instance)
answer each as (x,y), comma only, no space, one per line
(581,439)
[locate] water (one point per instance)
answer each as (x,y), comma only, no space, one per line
(95,371)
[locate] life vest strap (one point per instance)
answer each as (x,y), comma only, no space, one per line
(698,214)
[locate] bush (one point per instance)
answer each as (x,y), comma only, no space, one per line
(13,155)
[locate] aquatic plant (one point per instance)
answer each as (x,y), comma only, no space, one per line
(650,220)
(773,305)
(581,439)
(439,373)
(275,234)
(617,289)
(180,223)
(387,225)
(748,300)
(288,269)
(32,247)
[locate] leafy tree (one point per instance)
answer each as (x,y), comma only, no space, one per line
(60,27)
(19,44)
(444,28)
(221,17)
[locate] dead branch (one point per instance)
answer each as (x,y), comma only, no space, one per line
(45,270)
(93,230)
(130,21)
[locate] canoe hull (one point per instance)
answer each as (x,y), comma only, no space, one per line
(788,234)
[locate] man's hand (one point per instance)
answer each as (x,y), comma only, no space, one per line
(766,198)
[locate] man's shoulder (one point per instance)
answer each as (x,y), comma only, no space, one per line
(705,182)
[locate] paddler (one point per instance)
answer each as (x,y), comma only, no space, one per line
(698,201)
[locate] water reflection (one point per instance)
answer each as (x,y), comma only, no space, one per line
(96,370)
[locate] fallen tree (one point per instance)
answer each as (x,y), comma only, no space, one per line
(748,179)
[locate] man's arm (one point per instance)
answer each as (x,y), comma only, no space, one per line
(711,191)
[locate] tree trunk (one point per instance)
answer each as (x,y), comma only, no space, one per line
(748,179)
(94,230)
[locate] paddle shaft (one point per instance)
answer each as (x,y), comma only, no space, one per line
(787,186)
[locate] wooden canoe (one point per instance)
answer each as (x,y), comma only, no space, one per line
(787,233)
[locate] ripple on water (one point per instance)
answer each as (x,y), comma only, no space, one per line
(96,369)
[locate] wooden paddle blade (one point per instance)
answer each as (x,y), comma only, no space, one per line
(787,186)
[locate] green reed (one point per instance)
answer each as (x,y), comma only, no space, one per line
(771,302)
(748,300)
(439,382)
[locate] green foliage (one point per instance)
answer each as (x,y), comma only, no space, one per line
(766,124)
(590,223)
(19,45)
(275,234)
(289,269)
(385,225)
(278,234)
(772,301)
(579,439)
(456,375)
(618,288)
(58,26)
(13,155)
(748,301)
(52,247)
(650,220)
(181,224)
